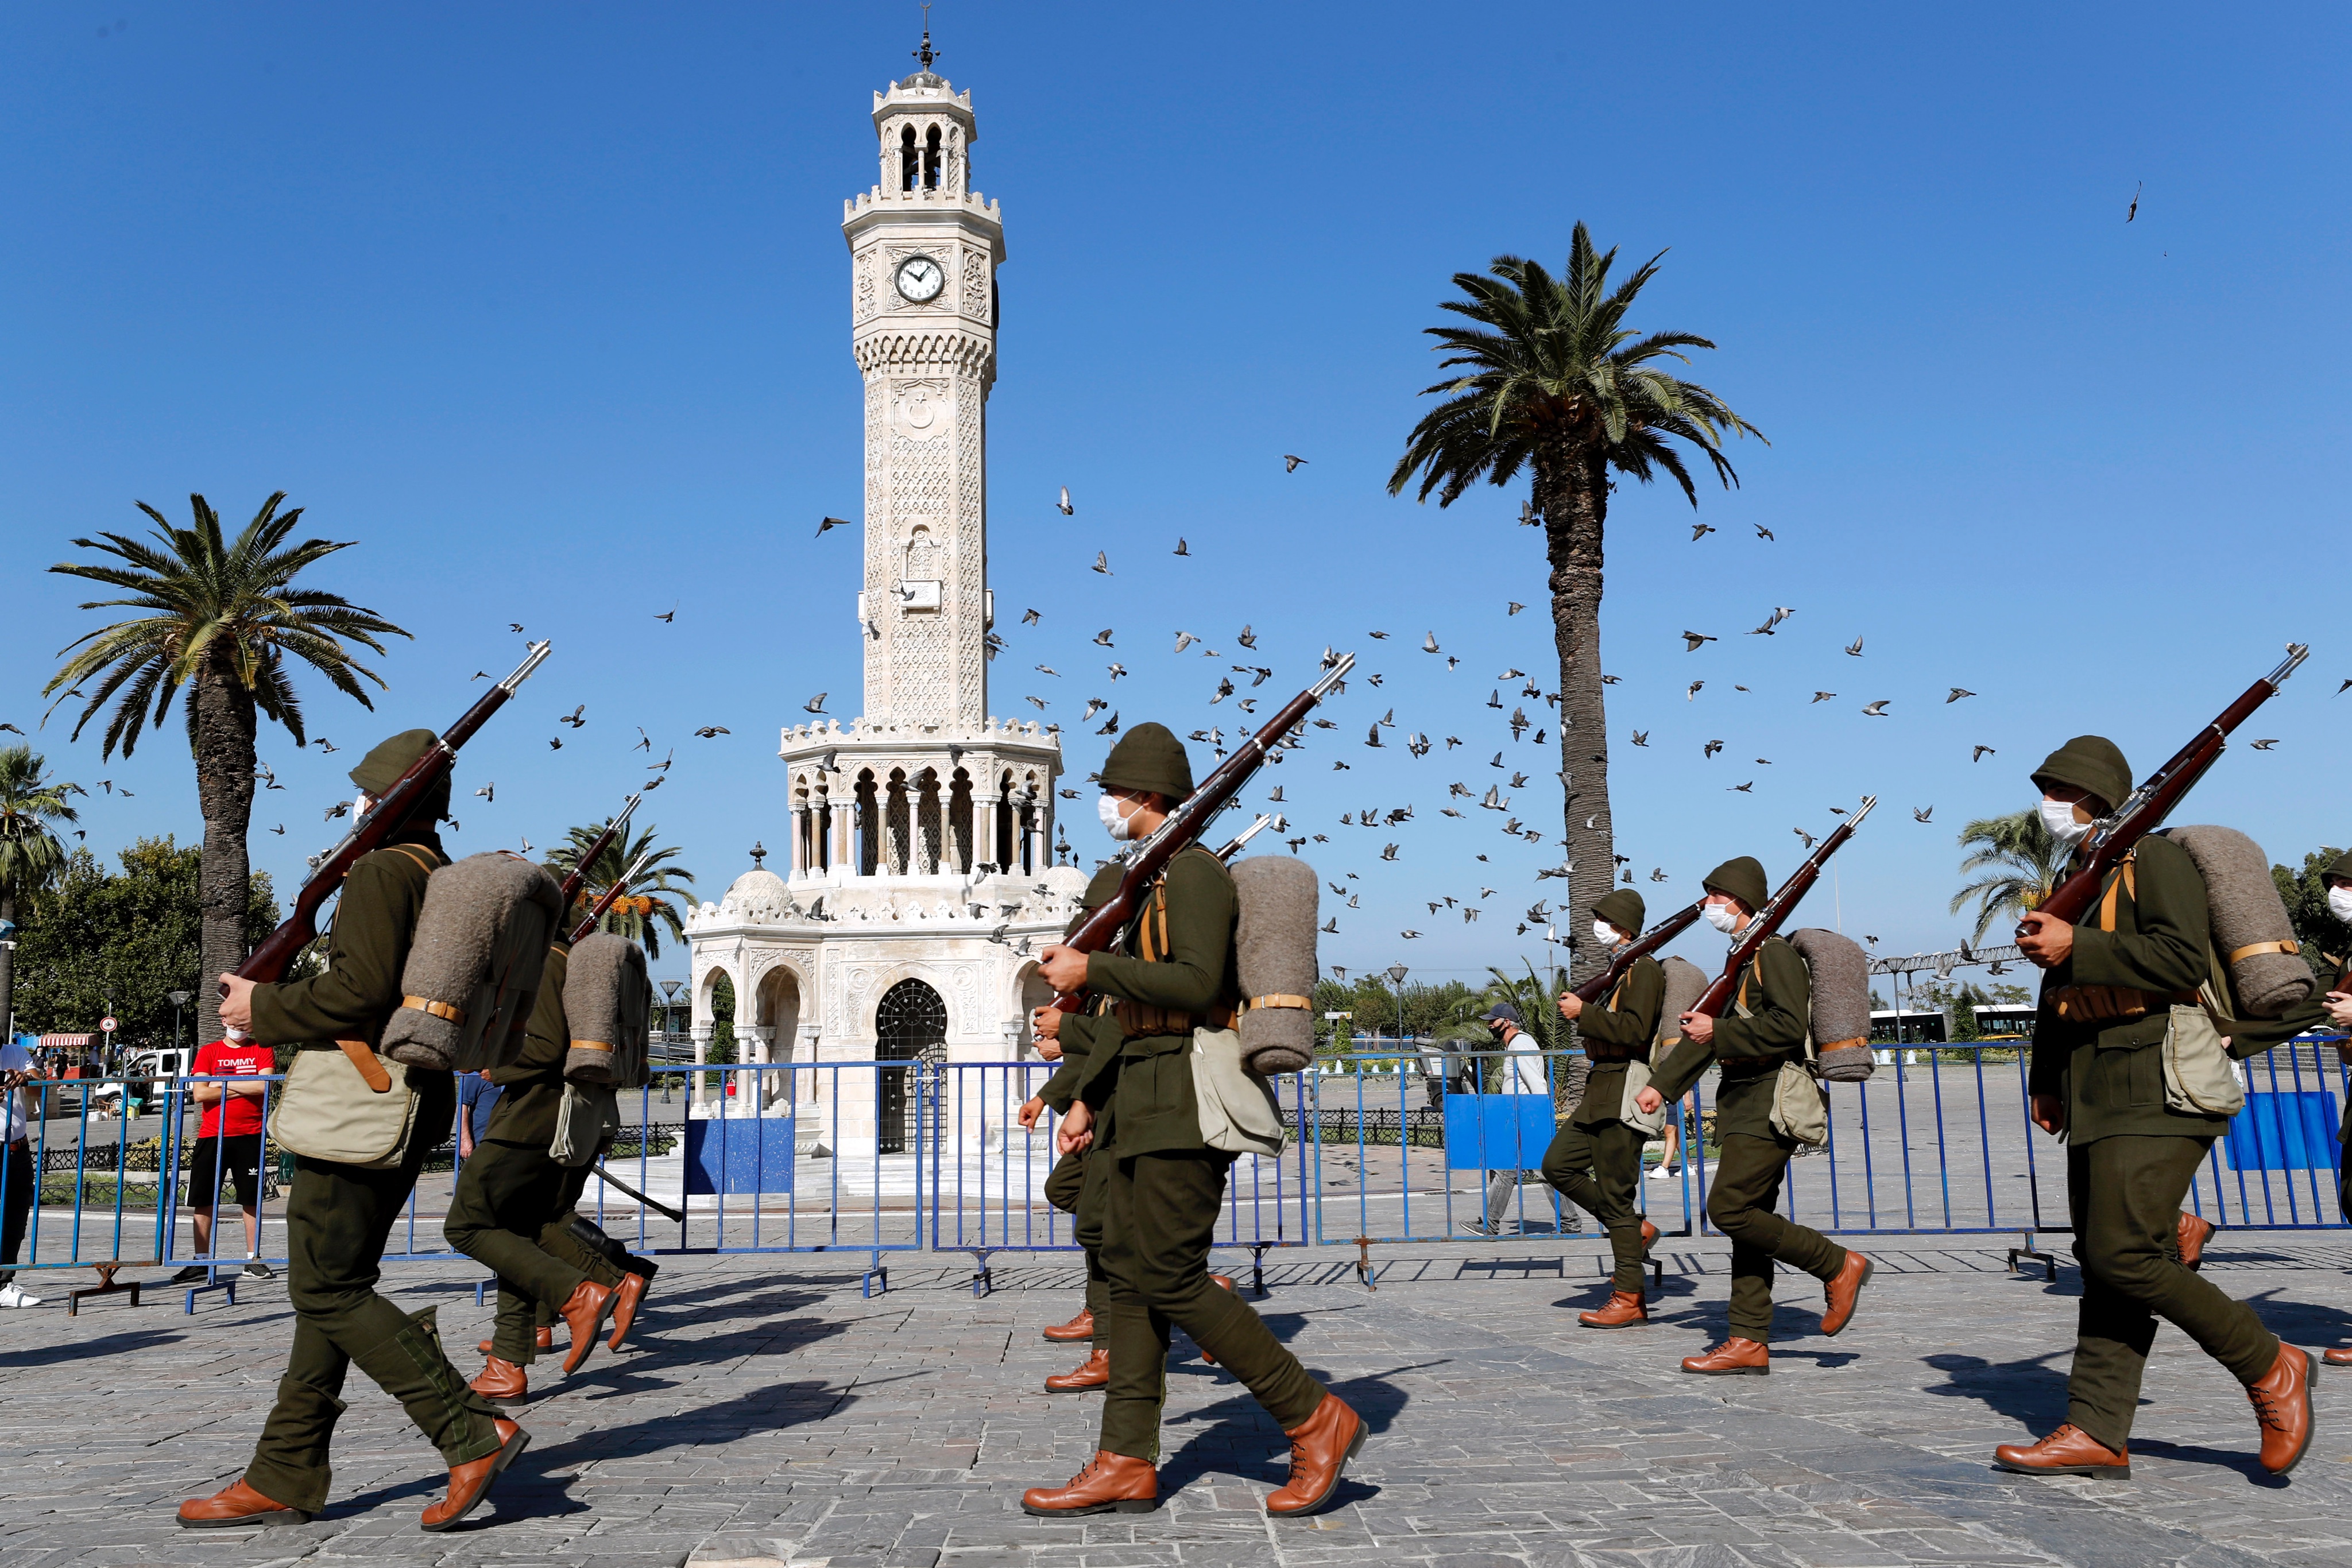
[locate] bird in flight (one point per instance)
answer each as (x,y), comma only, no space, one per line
(1854,647)
(573,718)
(1378,636)
(1824,696)
(1181,547)
(1184,640)
(708,730)
(1429,643)
(1029,618)
(645,741)
(1879,708)
(1067,509)
(1640,737)
(555,742)
(1693,642)
(1980,753)
(280,829)
(2259,746)
(1744,788)
(1117,670)
(1700,531)
(816,703)
(1512,607)
(1048,670)
(1713,747)
(1779,613)
(329,747)
(1958,692)
(489,791)
(825,523)
(1918,815)
(1290,462)
(1248,639)
(514,625)
(1761,531)
(670,617)
(1692,690)
(337,808)
(1807,837)
(1102,562)
(2132,210)
(479,675)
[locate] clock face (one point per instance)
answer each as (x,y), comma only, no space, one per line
(921,279)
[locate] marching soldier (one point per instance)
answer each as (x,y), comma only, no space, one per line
(509,1196)
(2338,880)
(1596,1159)
(1768,1025)
(2097,1080)
(1163,1184)
(339,1215)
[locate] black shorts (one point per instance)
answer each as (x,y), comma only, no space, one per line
(235,1163)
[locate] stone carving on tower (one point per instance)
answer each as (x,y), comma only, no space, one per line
(920,881)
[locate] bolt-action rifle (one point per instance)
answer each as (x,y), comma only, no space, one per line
(1776,911)
(2113,836)
(596,848)
(604,899)
(390,813)
(1642,946)
(1190,819)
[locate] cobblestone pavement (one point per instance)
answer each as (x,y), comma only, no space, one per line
(773,1416)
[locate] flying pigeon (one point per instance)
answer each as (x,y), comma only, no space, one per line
(1805,836)
(1184,640)
(573,718)
(1958,692)
(1067,509)
(1657,873)
(1102,562)
(1700,531)
(1854,647)
(1761,531)
(1918,815)
(1824,696)
(1511,609)
(489,791)
(1117,670)
(816,703)
(1029,618)
(708,730)
(1879,708)
(1389,853)
(280,829)
(1713,747)
(1692,690)
(1290,462)
(2259,746)
(824,523)
(1693,641)
(1744,788)
(668,616)
(2132,210)
(1181,547)
(1640,737)
(1980,753)
(1429,643)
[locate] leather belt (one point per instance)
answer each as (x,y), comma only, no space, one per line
(437,1009)
(2112,1004)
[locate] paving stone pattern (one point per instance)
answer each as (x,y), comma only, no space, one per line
(772,1415)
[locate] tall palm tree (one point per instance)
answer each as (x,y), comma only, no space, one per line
(31,805)
(641,912)
(224,619)
(1553,380)
(2021,864)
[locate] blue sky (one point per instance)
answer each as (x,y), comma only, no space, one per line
(547,307)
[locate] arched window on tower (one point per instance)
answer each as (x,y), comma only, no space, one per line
(911,160)
(931,160)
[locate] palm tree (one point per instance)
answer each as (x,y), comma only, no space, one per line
(223,620)
(2021,864)
(641,912)
(30,854)
(1554,381)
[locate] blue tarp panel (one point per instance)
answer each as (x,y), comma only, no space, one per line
(2285,1132)
(1497,1132)
(749,1155)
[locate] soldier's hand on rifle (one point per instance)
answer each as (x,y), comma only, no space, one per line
(1699,1028)
(1065,969)
(2050,1114)
(1571,1004)
(1046,1026)
(2340,1011)
(1648,1101)
(236,1002)
(1077,1129)
(1031,1109)
(2047,941)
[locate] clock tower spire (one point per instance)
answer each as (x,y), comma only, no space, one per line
(924,249)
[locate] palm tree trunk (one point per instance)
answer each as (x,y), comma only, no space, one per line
(221,721)
(8,970)
(1572,493)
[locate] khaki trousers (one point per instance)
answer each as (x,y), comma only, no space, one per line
(1740,1203)
(1597,1169)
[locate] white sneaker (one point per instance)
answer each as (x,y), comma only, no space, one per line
(1663,1172)
(14,1295)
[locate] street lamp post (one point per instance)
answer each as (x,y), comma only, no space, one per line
(1397,972)
(178,1000)
(669,1025)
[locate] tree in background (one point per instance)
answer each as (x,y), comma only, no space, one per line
(98,941)
(1556,383)
(31,856)
(2021,862)
(224,619)
(2326,941)
(649,908)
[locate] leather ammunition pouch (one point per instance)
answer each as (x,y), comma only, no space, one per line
(1140,1019)
(2116,1003)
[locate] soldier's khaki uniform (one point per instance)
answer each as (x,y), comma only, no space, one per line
(507,1213)
(1162,1186)
(1595,1160)
(2097,1038)
(338,1217)
(1074,1186)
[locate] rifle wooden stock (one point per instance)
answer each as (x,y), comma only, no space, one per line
(1775,911)
(393,809)
(1642,946)
(2144,811)
(604,900)
(1188,821)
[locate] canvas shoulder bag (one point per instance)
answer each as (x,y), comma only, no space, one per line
(1239,1112)
(2199,1078)
(333,1107)
(580,1121)
(1800,1106)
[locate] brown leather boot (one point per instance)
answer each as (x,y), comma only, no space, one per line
(1649,1237)
(1092,1372)
(502,1380)
(2340,1357)
(1735,1357)
(2282,1403)
(1225,1280)
(1843,1288)
(1319,1452)
(1077,1328)
(1623,1307)
(238,1503)
(469,1483)
(544,1339)
(2191,1233)
(2068,1451)
(627,1296)
(584,1314)
(1111,1483)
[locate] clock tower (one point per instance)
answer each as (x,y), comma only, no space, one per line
(924,249)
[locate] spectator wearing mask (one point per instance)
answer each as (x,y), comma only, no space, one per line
(17,1182)
(228,1146)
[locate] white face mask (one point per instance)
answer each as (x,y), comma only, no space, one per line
(2339,904)
(2058,816)
(1605,933)
(1719,915)
(236,1035)
(1115,821)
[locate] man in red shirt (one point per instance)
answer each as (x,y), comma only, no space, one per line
(231,1155)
